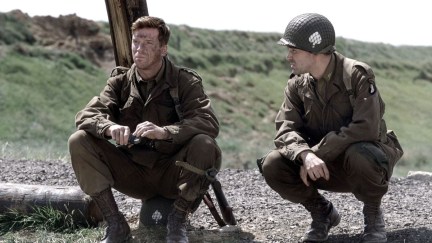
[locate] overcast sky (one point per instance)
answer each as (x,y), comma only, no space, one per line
(384,21)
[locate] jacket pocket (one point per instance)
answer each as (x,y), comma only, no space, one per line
(381,159)
(131,113)
(392,136)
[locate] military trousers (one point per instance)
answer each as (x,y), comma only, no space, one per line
(361,170)
(99,164)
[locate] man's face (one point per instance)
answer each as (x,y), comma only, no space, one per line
(300,61)
(146,50)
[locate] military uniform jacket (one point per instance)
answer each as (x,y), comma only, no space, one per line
(328,127)
(120,103)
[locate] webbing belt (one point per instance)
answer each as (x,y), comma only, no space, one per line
(210,173)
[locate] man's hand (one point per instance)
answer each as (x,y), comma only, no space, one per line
(313,167)
(151,131)
(118,133)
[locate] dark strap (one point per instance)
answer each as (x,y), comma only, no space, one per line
(174,95)
(210,174)
(209,202)
(348,65)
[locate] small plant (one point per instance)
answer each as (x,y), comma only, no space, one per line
(40,218)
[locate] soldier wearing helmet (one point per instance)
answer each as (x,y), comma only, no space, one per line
(331,134)
(310,32)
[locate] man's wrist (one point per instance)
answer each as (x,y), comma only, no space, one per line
(302,156)
(167,134)
(299,160)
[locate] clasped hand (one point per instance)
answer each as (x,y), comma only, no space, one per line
(121,134)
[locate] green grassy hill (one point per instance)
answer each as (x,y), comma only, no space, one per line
(42,88)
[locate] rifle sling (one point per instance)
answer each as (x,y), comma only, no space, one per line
(209,202)
(210,173)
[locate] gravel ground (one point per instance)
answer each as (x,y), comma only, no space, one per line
(261,214)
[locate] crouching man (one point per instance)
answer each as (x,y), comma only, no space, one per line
(144,120)
(330,132)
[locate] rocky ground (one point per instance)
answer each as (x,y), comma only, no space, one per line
(261,214)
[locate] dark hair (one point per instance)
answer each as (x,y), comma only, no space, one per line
(153,22)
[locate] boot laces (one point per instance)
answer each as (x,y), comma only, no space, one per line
(177,227)
(373,218)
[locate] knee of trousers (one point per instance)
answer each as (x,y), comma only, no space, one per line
(80,145)
(76,140)
(365,164)
(203,153)
(282,175)
(204,149)
(364,158)
(276,168)
(92,174)
(271,164)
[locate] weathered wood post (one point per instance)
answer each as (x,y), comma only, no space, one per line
(121,15)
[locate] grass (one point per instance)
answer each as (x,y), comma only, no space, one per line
(43,218)
(44,236)
(244,73)
(34,150)
(44,224)
(41,89)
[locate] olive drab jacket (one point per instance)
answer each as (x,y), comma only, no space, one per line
(327,127)
(120,103)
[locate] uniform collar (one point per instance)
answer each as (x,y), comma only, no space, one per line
(328,73)
(158,75)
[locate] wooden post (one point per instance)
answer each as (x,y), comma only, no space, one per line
(121,15)
(67,199)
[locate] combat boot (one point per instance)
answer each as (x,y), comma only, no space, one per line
(324,216)
(177,222)
(118,229)
(374,230)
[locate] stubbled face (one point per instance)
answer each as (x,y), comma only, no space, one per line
(300,61)
(147,52)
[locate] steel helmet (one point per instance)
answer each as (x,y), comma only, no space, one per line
(310,32)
